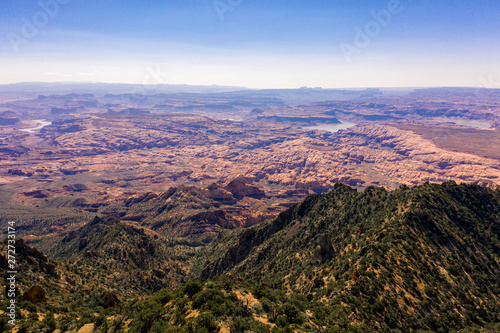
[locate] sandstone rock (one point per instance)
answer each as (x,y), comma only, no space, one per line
(110,299)
(324,250)
(240,188)
(35,294)
(354,274)
(25,250)
(70,128)
(8,118)
(75,187)
(87,328)
(140,198)
(36,194)
(17,172)
(14,151)
(220,194)
(50,269)
(83,243)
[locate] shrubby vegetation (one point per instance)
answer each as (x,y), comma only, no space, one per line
(421,259)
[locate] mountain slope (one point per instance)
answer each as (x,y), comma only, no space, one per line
(134,258)
(426,257)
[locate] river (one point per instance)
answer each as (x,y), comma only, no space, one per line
(41,123)
(330,127)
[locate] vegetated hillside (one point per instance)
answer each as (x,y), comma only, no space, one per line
(33,267)
(132,258)
(75,296)
(44,286)
(426,257)
(422,258)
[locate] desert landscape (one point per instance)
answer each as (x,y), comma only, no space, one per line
(244,210)
(245,156)
(232,166)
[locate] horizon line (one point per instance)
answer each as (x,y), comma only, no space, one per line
(243,87)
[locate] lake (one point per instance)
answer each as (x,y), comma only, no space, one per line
(473,124)
(330,127)
(41,124)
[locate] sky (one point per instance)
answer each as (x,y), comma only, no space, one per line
(253,43)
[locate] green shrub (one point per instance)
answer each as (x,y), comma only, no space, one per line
(207,321)
(192,288)
(282,321)
(49,322)
(240,325)
(207,295)
(164,296)
(267,305)
(151,313)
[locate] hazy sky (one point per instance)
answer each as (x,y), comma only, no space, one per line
(253,43)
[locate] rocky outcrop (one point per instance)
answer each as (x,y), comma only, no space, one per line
(240,188)
(75,187)
(18,172)
(35,295)
(13,151)
(140,198)
(324,250)
(71,128)
(220,194)
(35,258)
(39,194)
(8,118)
(109,299)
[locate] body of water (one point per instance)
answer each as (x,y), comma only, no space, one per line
(41,123)
(473,124)
(331,127)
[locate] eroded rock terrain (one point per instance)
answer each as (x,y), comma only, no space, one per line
(195,172)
